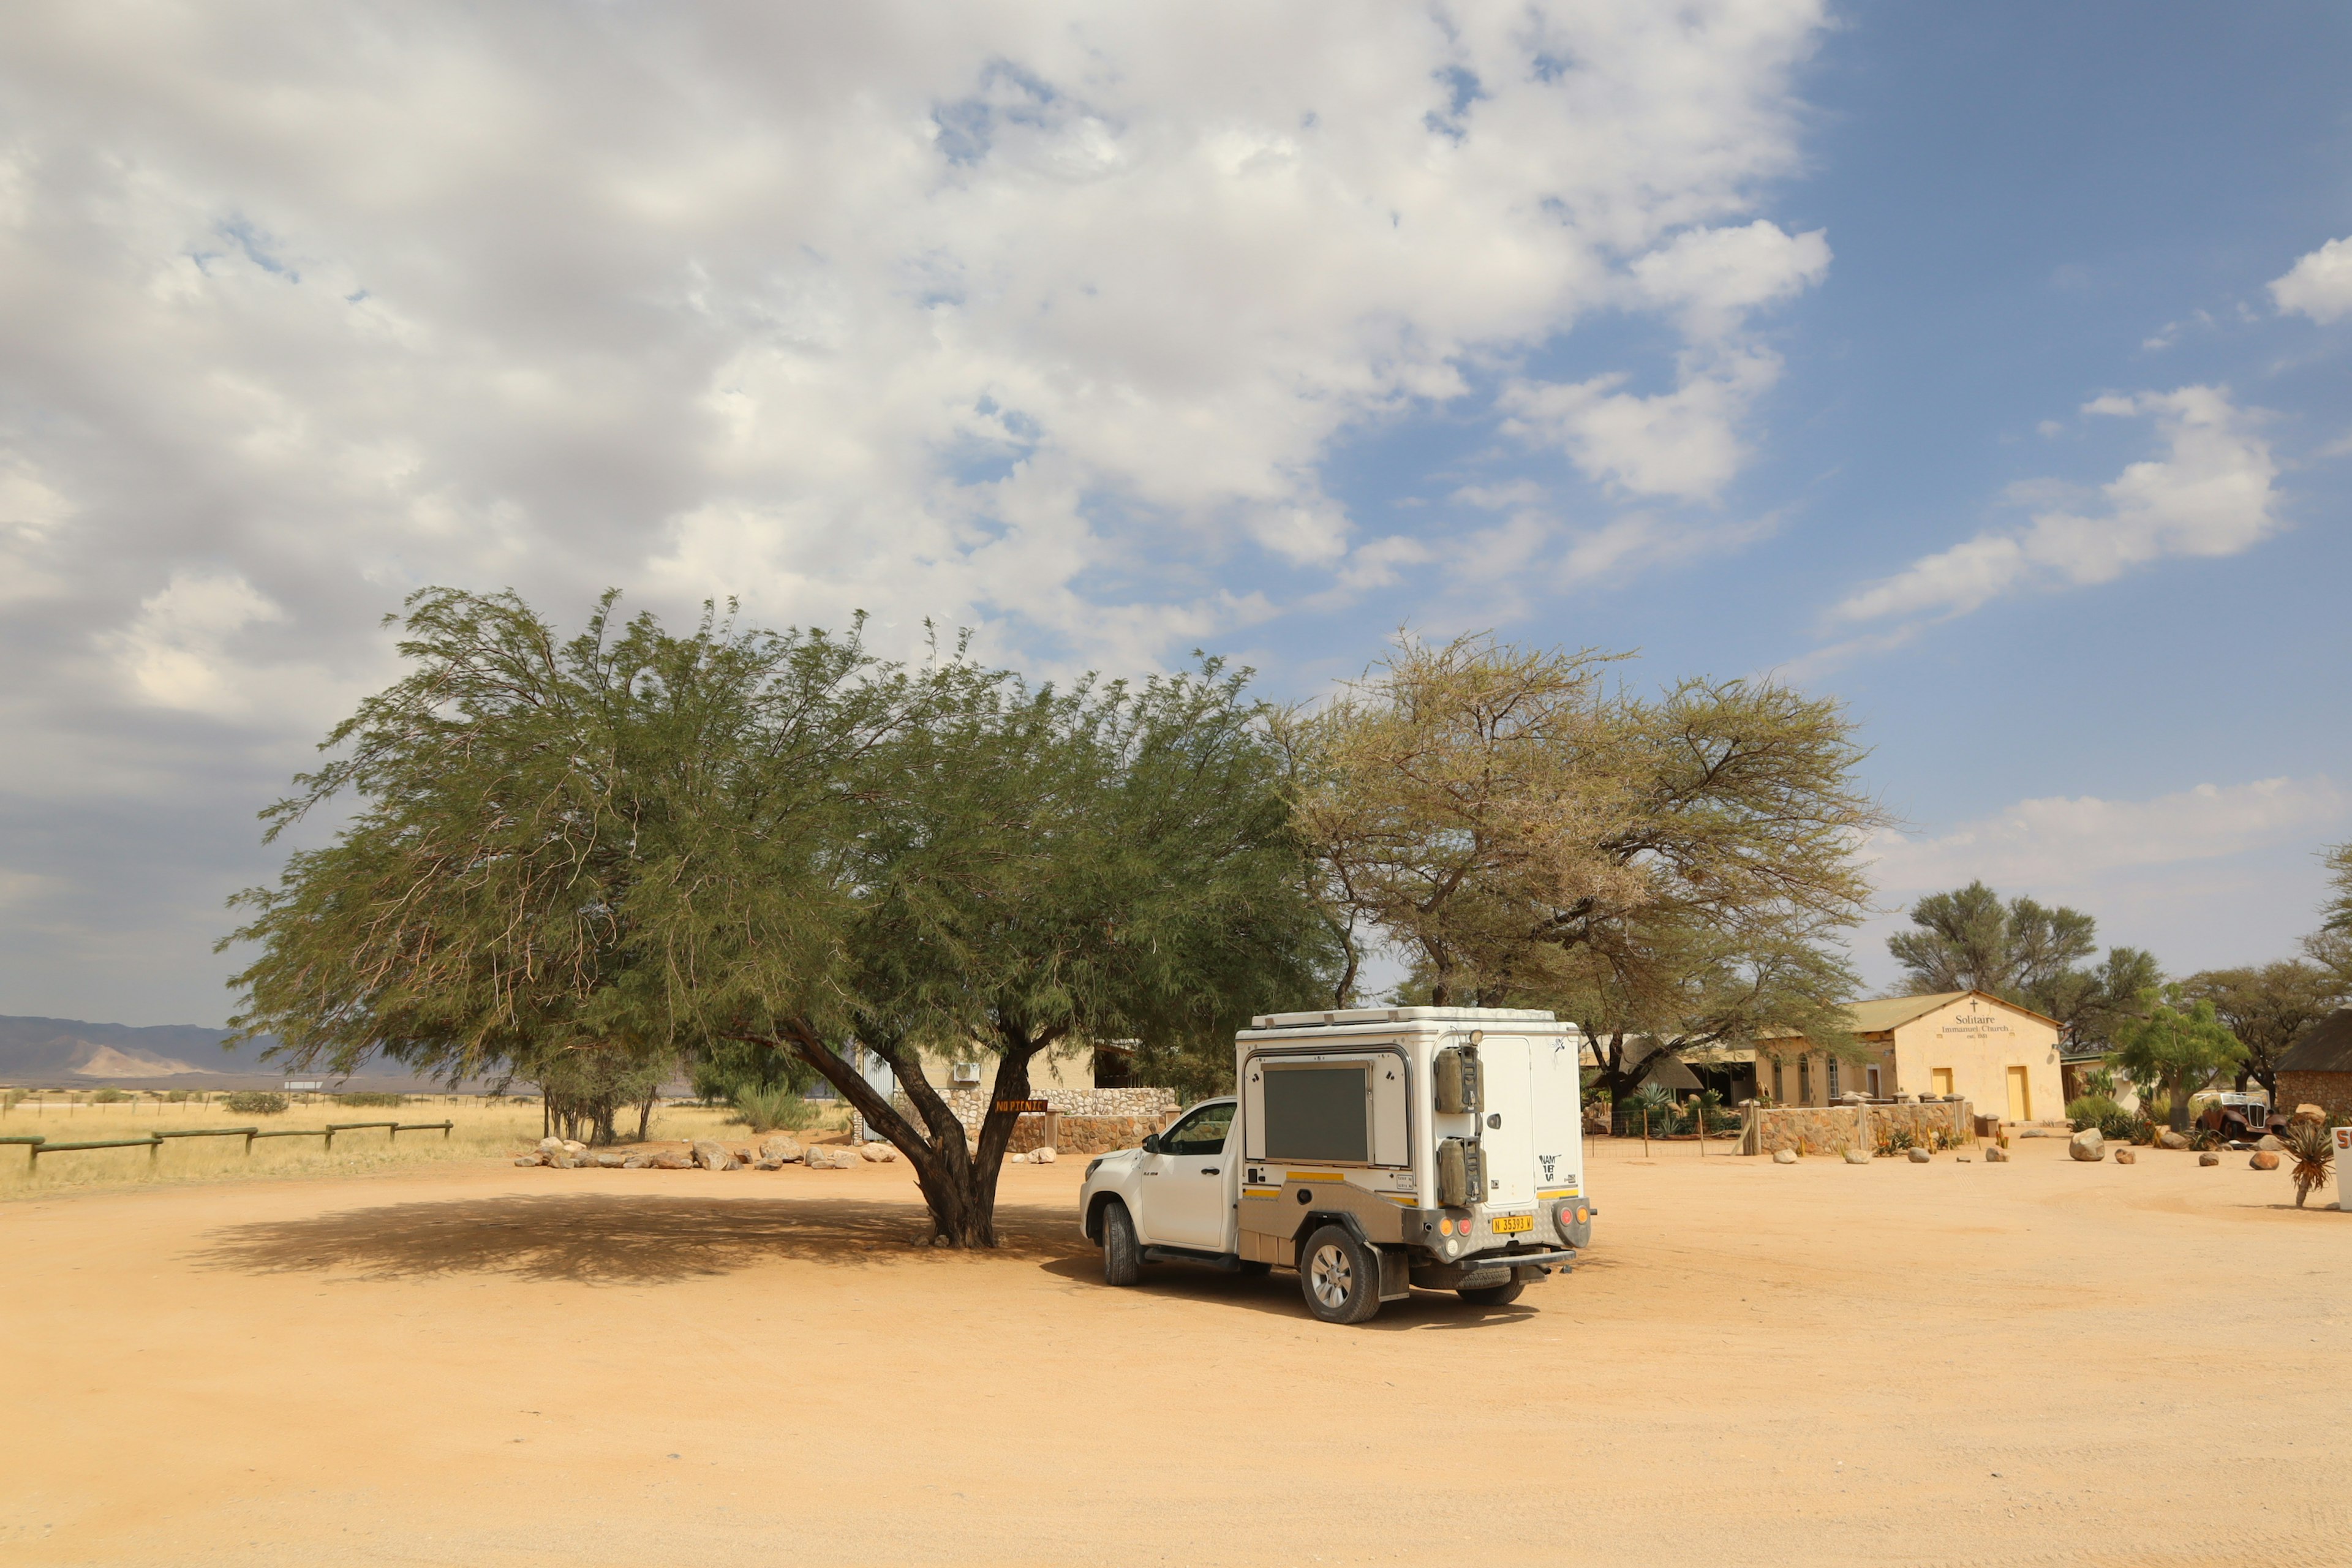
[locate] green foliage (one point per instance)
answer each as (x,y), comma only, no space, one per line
(1651,1101)
(1968,939)
(370,1097)
(2266,1008)
(724,1067)
(1895,1139)
(585,862)
(1517,824)
(770,1107)
(175,1097)
(2092,1110)
(2111,1120)
(2182,1051)
(107,1096)
(256,1102)
(2336,915)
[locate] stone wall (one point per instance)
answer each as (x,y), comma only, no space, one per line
(2331,1091)
(1089,1117)
(1834,1128)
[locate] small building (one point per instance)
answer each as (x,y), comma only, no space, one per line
(2001,1058)
(2317,1070)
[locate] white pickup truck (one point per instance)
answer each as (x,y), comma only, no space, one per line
(1372,1150)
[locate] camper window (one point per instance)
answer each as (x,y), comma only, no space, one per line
(1319,1111)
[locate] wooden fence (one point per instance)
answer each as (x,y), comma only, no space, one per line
(36,1145)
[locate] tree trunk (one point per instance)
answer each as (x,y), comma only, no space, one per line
(958,1182)
(2178,1110)
(645,1113)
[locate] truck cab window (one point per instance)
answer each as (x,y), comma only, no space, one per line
(1202,1133)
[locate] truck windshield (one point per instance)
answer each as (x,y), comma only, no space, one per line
(1202,1133)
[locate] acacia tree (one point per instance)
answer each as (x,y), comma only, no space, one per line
(635,844)
(1050,867)
(1695,988)
(2027,952)
(2266,1008)
(1669,869)
(530,814)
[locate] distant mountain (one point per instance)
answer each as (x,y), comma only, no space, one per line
(64,1052)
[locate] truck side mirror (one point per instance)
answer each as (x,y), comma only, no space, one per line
(1151,1142)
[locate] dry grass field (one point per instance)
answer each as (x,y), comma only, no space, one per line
(469,1364)
(483,1129)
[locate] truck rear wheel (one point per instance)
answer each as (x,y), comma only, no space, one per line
(1501,1295)
(1122,1259)
(1339,1276)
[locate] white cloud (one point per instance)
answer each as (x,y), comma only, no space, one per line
(2057,843)
(2210,494)
(455,306)
(1682,444)
(1041,318)
(2320,284)
(1712,278)
(176,653)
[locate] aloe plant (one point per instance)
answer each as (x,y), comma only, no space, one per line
(2309,1145)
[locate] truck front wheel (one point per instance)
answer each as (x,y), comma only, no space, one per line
(1122,1259)
(1339,1276)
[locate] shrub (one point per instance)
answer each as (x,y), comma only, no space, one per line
(1894,1140)
(108,1096)
(371,1097)
(2092,1110)
(256,1102)
(175,1097)
(770,1108)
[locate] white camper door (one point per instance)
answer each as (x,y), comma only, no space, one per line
(1507,1130)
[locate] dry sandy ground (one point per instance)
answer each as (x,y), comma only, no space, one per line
(1892,1364)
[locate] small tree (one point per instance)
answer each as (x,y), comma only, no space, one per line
(2182,1051)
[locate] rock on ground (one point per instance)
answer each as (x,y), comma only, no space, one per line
(2127,1157)
(671,1160)
(1920,1156)
(611,1161)
(550,1145)
(779,1148)
(1995,1154)
(2169,1139)
(831,1157)
(2087,1145)
(2269,1144)
(527,1160)
(2209,1158)
(1784,1156)
(879,1153)
(713,1156)
(2262,1160)
(1042,1156)
(1856,1157)
(2309,1113)
(637,1161)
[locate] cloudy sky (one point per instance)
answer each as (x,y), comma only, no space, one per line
(1988,366)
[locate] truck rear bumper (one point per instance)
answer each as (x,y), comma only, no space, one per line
(1490,1268)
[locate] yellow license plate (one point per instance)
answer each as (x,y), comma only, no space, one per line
(1503,1225)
